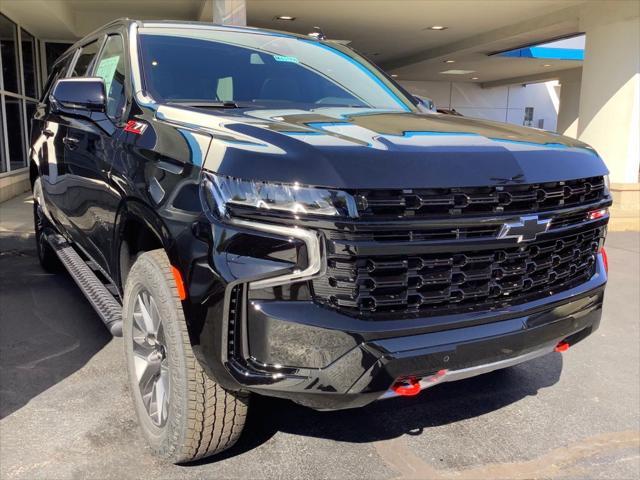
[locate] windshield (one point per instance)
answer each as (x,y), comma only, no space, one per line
(260,69)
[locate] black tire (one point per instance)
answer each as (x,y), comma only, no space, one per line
(46,255)
(202,418)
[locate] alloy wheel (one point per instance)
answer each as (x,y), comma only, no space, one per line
(150,358)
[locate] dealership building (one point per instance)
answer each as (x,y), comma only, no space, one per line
(569,66)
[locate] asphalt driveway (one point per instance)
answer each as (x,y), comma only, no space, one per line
(65,410)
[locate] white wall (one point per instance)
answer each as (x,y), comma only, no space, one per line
(569,102)
(503,104)
(609,118)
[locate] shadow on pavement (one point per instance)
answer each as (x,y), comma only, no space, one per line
(48,331)
(440,405)
(47,328)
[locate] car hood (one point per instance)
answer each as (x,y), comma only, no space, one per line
(362,149)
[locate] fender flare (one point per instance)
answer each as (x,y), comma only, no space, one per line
(135,209)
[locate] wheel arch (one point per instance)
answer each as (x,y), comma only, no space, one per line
(138,229)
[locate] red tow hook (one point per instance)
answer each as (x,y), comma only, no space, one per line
(407,387)
(562,346)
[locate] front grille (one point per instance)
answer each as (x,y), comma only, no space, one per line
(417,234)
(479,200)
(445,283)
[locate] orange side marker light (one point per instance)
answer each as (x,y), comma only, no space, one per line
(182,292)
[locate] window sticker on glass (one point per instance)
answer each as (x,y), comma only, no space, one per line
(285,58)
(224,92)
(107,69)
(256,59)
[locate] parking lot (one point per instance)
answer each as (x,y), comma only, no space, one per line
(66,413)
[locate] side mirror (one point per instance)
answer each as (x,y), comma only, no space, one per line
(425,103)
(81,95)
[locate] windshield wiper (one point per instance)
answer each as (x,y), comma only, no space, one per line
(224,104)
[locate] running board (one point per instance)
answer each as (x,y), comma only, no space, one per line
(101,299)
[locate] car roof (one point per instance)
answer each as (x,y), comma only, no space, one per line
(213,26)
(126,22)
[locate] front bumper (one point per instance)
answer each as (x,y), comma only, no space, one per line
(326,360)
(277,341)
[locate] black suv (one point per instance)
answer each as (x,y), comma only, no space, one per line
(263,212)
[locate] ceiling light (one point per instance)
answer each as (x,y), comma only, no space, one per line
(457,72)
(437,27)
(474,78)
(546,65)
(286,18)
(449,61)
(394,75)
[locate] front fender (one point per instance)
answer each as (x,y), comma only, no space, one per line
(136,210)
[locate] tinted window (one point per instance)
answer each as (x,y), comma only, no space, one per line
(9,49)
(53,50)
(87,54)
(261,69)
(59,71)
(111,68)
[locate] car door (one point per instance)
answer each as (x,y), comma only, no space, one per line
(89,151)
(80,180)
(49,128)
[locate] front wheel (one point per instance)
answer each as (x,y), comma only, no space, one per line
(184,414)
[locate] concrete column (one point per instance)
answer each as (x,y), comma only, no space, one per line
(569,109)
(609,115)
(224,12)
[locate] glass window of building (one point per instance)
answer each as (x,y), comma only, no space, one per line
(9,49)
(29,64)
(15,131)
(3,159)
(21,81)
(20,88)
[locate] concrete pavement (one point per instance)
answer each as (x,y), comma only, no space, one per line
(66,413)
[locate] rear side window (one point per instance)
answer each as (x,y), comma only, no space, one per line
(87,54)
(111,68)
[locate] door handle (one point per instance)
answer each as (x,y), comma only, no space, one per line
(70,142)
(48,133)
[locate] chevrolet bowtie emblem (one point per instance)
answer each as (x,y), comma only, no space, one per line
(527,228)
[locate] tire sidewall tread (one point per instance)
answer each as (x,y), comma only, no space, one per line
(203,419)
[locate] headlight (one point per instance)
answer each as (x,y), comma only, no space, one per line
(220,192)
(607,185)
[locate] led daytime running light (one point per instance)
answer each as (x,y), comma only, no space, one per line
(293,198)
